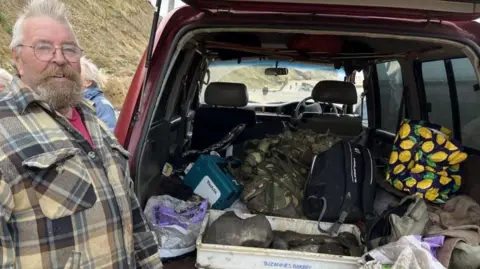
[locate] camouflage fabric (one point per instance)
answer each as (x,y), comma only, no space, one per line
(276,168)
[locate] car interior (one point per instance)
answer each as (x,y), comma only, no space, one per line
(195,110)
(393,87)
(385,78)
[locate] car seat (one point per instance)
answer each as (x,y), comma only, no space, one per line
(334,92)
(223,111)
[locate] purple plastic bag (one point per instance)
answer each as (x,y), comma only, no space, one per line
(166,216)
(433,242)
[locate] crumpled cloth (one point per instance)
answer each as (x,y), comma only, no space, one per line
(465,256)
(413,222)
(406,253)
(459,221)
(433,243)
(375,265)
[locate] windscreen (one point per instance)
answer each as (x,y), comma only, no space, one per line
(273,89)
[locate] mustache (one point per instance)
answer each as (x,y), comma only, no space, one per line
(60,71)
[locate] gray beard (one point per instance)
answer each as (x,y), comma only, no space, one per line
(60,95)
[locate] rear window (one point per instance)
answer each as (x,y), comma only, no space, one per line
(270,89)
(390,83)
(452,96)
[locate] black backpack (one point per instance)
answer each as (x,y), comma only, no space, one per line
(341,186)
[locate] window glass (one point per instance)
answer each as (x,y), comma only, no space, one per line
(438,96)
(468,100)
(361,106)
(391,88)
(437,93)
(266,89)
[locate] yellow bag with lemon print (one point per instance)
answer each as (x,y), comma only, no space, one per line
(426,161)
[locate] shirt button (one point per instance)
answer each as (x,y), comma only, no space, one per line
(92,155)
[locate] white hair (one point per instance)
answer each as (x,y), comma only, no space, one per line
(36,8)
(5,77)
(91,72)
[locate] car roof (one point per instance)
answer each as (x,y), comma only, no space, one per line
(431,9)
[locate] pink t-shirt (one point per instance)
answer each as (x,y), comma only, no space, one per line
(77,122)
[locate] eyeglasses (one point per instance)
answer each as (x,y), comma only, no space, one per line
(46,52)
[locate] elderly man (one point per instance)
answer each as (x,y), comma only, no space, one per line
(5,78)
(91,79)
(66,198)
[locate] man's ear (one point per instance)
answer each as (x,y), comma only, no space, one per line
(16,60)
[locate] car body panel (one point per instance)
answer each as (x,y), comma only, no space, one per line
(140,99)
(432,9)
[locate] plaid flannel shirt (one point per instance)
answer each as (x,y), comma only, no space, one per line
(64,204)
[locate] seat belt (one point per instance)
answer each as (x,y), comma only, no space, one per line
(186,101)
(364,133)
(183,116)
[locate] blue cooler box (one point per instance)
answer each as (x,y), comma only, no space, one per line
(210,179)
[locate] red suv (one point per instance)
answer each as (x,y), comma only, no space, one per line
(415,59)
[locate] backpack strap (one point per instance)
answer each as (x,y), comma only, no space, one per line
(369,183)
(350,192)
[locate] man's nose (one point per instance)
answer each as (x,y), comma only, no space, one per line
(58,57)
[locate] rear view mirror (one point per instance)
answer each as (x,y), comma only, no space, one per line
(276,71)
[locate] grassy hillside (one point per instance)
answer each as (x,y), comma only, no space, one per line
(295,86)
(255,79)
(113,33)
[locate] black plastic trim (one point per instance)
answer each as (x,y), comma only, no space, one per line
(452,86)
(418,73)
(377,106)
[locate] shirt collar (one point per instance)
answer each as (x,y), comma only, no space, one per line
(23,95)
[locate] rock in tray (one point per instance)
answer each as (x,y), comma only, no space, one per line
(231,230)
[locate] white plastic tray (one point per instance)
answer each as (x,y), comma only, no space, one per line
(210,256)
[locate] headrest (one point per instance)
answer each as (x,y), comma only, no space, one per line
(331,91)
(226,94)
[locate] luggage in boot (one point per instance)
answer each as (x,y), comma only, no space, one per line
(276,168)
(426,161)
(340,187)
